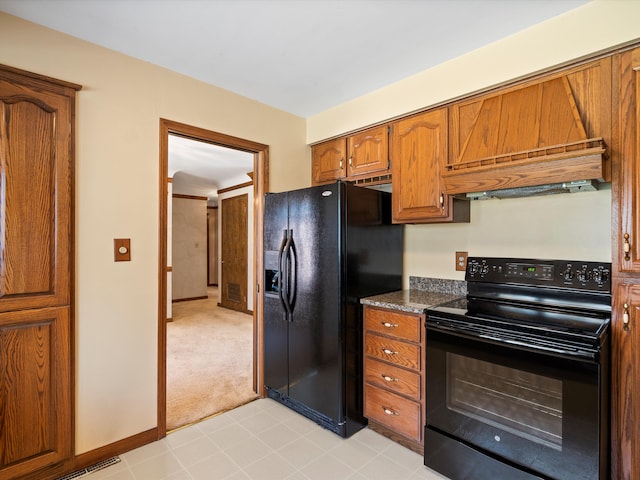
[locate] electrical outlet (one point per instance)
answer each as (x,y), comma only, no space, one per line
(461,261)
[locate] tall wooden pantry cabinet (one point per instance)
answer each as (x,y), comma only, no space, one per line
(36,260)
(625,435)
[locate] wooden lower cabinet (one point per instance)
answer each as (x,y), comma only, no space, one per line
(626,380)
(36,398)
(394,375)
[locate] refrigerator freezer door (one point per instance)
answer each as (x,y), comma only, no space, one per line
(315,330)
(276,355)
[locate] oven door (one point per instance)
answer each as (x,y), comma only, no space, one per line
(533,415)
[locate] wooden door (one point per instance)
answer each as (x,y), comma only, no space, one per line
(212,246)
(368,153)
(36,255)
(328,161)
(234,252)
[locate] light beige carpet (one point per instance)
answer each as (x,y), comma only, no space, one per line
(209,360)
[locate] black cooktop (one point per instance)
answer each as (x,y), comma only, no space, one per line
(544,303)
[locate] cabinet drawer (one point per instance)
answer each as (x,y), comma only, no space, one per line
(393,378)
(397,413)
(394,351)
(407,327)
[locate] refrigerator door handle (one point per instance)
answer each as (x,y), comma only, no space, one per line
(281,270)
(285,271)
(292,274)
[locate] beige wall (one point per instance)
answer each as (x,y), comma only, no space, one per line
(117,189)
(571,226)
(189,248)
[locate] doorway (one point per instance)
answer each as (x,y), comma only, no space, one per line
(260,184)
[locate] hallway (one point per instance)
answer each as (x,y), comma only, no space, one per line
(209,360)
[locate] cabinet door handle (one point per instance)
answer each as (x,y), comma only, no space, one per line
(389,411)
(626,247)
(442,200)
(389,352)
(387,378)
(341,164)
(389,325)
(625,317)
(351,161)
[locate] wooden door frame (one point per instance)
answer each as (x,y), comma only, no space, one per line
(260,186)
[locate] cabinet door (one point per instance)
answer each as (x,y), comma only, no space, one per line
(36,252)
(368,153)
(626,383)
(35,374)
(626,250)
(328,161)
(419,154)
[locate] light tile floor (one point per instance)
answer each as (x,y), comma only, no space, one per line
(264,440)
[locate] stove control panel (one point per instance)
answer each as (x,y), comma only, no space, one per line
(561,273)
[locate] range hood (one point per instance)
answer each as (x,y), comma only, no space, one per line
(533,139)
(537,190)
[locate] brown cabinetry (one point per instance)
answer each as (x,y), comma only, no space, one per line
(360,156)
(394,374)
(552,129)
(626,266)
(419,152)
(627,125)
(36,257)
(625,338)
(328,161)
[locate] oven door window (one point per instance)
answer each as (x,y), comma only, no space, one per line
(534,410)
(519,402)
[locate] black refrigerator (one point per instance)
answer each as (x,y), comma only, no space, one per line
(325,247)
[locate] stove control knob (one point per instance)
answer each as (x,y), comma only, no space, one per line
(473,268)
(600,276)
(568,274)
(583,275)
(484,269)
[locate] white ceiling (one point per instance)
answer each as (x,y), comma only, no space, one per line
(300,56)
(200,168)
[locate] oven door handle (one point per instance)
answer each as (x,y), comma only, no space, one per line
(570,353)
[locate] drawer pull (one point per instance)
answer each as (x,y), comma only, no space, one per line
(387,378)
(389,352)
(389,411)
(389,325)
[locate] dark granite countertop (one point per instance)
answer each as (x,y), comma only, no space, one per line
(413,301)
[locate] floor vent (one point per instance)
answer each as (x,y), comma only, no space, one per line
(91,469)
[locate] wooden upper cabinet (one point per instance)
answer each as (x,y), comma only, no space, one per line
(35,219)
(328,161)
(36,262)
(419,153)
(553,129)
(626,228)
(368,153)
(362,155)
